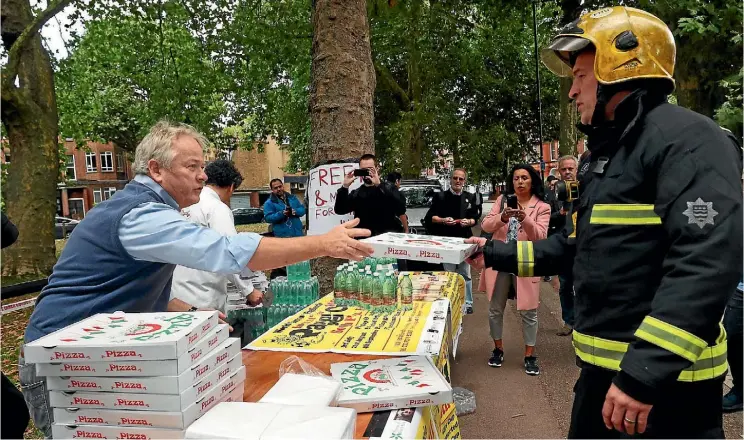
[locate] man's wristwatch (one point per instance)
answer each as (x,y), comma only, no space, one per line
(193,309)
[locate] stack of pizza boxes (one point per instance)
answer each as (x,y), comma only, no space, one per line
(137,375)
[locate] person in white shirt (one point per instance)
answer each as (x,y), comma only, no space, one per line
(208,290)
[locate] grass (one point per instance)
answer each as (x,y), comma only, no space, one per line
(258,228)
(12,327)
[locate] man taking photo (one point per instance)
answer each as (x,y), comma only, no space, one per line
(567,169)
(284,211)
(378,205)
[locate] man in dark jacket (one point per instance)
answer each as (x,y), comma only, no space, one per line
(655,236)
(567,169)
(14,412)
(377,204)
(452,214)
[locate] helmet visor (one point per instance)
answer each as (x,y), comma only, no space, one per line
(557,56)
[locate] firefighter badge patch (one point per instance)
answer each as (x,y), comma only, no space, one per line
(700,213)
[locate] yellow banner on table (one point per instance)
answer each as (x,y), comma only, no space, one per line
(445,421)
(426,429)
(326,327)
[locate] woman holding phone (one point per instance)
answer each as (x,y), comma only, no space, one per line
(518,215)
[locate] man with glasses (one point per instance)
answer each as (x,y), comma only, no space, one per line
(452,214)
(284,211)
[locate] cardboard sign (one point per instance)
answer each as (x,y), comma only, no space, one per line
(324,182)
(113,337)
(432,249)
(388,384)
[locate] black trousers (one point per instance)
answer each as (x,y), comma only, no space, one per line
(14,412)
(683,409)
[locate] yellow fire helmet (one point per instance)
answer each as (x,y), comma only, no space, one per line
(630,44)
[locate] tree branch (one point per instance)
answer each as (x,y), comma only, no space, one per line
(14,59)
(384,74)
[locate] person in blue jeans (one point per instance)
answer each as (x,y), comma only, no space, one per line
(284,211)
(732,321)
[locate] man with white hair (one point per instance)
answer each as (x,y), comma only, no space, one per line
(122,255)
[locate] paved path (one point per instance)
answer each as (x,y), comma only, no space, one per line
(511,404)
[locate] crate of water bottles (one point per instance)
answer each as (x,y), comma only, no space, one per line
(296,292)
(373,284)
(299,271)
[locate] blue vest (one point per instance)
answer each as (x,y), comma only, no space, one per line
(95,274)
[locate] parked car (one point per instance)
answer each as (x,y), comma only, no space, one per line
(248,216)
(419,194)
(63,226)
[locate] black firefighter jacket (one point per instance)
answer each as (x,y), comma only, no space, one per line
(656,243)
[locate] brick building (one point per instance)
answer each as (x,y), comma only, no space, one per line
(550,155)
(92,174)
(258,168)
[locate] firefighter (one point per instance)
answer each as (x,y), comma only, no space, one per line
(655,236)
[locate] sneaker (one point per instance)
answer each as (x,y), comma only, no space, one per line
(497,358)
(732,402)
(530,366)
(565,331)
(469,309)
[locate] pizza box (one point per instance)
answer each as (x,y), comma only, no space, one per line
(151,419)
(430,248)
(303,389)
(264,421)
(143,402)
(387,384)
(399,424)
(145,385)
(102,431)
(123,336)
(200,368)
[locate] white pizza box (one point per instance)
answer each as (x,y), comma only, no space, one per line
(60,431)
(142,402)
(146,385)
(387,384)
(123,336)
(302,389)
(430,248)
(263,421)
(401,423)
(150,419)
(218,356)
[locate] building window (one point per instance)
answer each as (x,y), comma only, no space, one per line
(119,162)
(108,192)
(97,196)
(107,161)
(70,168)
(91,164)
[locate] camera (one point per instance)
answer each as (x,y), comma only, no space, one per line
(361,172)
(567,190)
(512,202)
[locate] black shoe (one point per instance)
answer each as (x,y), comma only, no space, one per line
(732,402)
(530,366)
(497,358)
(469,309)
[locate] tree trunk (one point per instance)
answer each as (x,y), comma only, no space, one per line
(691,95)
(29,113)
(569,118)
(341,93)
(343,81)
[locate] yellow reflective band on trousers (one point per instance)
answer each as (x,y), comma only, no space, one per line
(669,337)
(525,259)
(608,354)
(624,214)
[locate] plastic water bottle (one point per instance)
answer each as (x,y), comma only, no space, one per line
(316,289)
(377,294)
(339,284)
(406,292)
(389,292)
(355,294)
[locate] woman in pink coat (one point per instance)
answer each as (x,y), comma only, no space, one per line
(527,223)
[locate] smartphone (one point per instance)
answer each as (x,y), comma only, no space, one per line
(361,172)
(511,201)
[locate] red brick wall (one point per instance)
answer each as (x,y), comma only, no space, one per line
(95,147)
